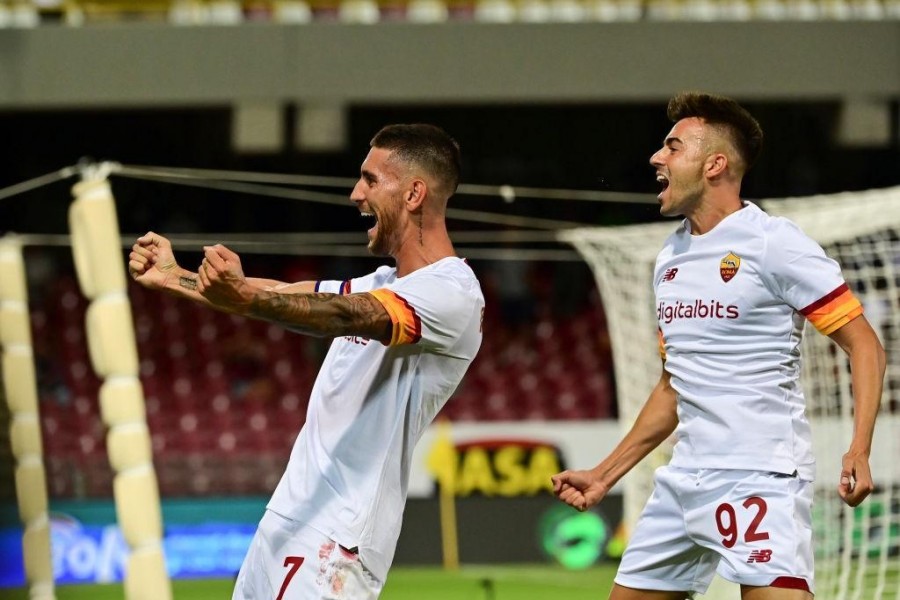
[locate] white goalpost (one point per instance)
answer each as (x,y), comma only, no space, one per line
(858,550)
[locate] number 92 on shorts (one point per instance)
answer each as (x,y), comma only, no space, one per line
(753,527)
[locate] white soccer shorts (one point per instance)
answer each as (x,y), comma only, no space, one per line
(288,560)
(753,527)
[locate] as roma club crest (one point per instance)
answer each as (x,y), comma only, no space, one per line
(729,266)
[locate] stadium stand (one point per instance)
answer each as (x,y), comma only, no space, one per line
(23,13)
(226,396)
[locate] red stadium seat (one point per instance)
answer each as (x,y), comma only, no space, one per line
(226,396)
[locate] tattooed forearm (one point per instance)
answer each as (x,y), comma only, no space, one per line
(189,283)
(325,315)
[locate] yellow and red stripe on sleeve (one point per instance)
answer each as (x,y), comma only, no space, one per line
(407,325)
(834,310)
(662,344)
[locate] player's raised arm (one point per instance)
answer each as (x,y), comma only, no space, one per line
(867,366)
(656,421)
(152,264)
(221,281)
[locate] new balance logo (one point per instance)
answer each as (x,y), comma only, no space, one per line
(760,556)
(670,274)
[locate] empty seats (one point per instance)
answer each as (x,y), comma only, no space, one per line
(227,396)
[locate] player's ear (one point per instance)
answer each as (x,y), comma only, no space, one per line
(415,195)
(715,165)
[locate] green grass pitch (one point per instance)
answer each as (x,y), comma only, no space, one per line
(523,582)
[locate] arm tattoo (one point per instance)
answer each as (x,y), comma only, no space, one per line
(325,315)
(189,283)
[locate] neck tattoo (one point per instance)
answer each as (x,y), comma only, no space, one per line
(421,241)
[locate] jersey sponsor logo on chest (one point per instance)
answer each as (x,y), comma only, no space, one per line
(695,309)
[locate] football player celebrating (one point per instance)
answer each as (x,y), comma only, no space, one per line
(404,336)
(733,288)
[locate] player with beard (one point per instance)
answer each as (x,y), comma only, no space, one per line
(736,497)
(404,336)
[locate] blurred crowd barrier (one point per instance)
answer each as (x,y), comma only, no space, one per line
(33,13)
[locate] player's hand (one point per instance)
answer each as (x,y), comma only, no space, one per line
(220,279)
(578,489)
(151,261)
(856,478)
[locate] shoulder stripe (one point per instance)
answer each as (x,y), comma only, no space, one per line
(834,310)
(407,326)
(825,299)
(345,288)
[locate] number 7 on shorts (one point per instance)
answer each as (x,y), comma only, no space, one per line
(294,563)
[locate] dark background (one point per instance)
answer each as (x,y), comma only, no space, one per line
(578,146)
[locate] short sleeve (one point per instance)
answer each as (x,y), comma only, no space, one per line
(808,280)
(430,310)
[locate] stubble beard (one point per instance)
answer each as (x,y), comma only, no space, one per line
(386,240)
(681,199)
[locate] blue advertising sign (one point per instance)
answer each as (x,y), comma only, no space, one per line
(98,553)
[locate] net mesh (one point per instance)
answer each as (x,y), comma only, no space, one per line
(857,549)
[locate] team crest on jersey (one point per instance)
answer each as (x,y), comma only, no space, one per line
(729,266)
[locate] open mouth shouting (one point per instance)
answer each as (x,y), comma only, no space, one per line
(370,216)
(663,182)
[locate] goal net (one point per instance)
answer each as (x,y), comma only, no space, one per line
(857,549)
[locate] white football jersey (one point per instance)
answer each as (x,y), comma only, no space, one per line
(349,469)
(731,305)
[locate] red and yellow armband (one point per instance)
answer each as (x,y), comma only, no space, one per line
(834,310)
(407,327)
